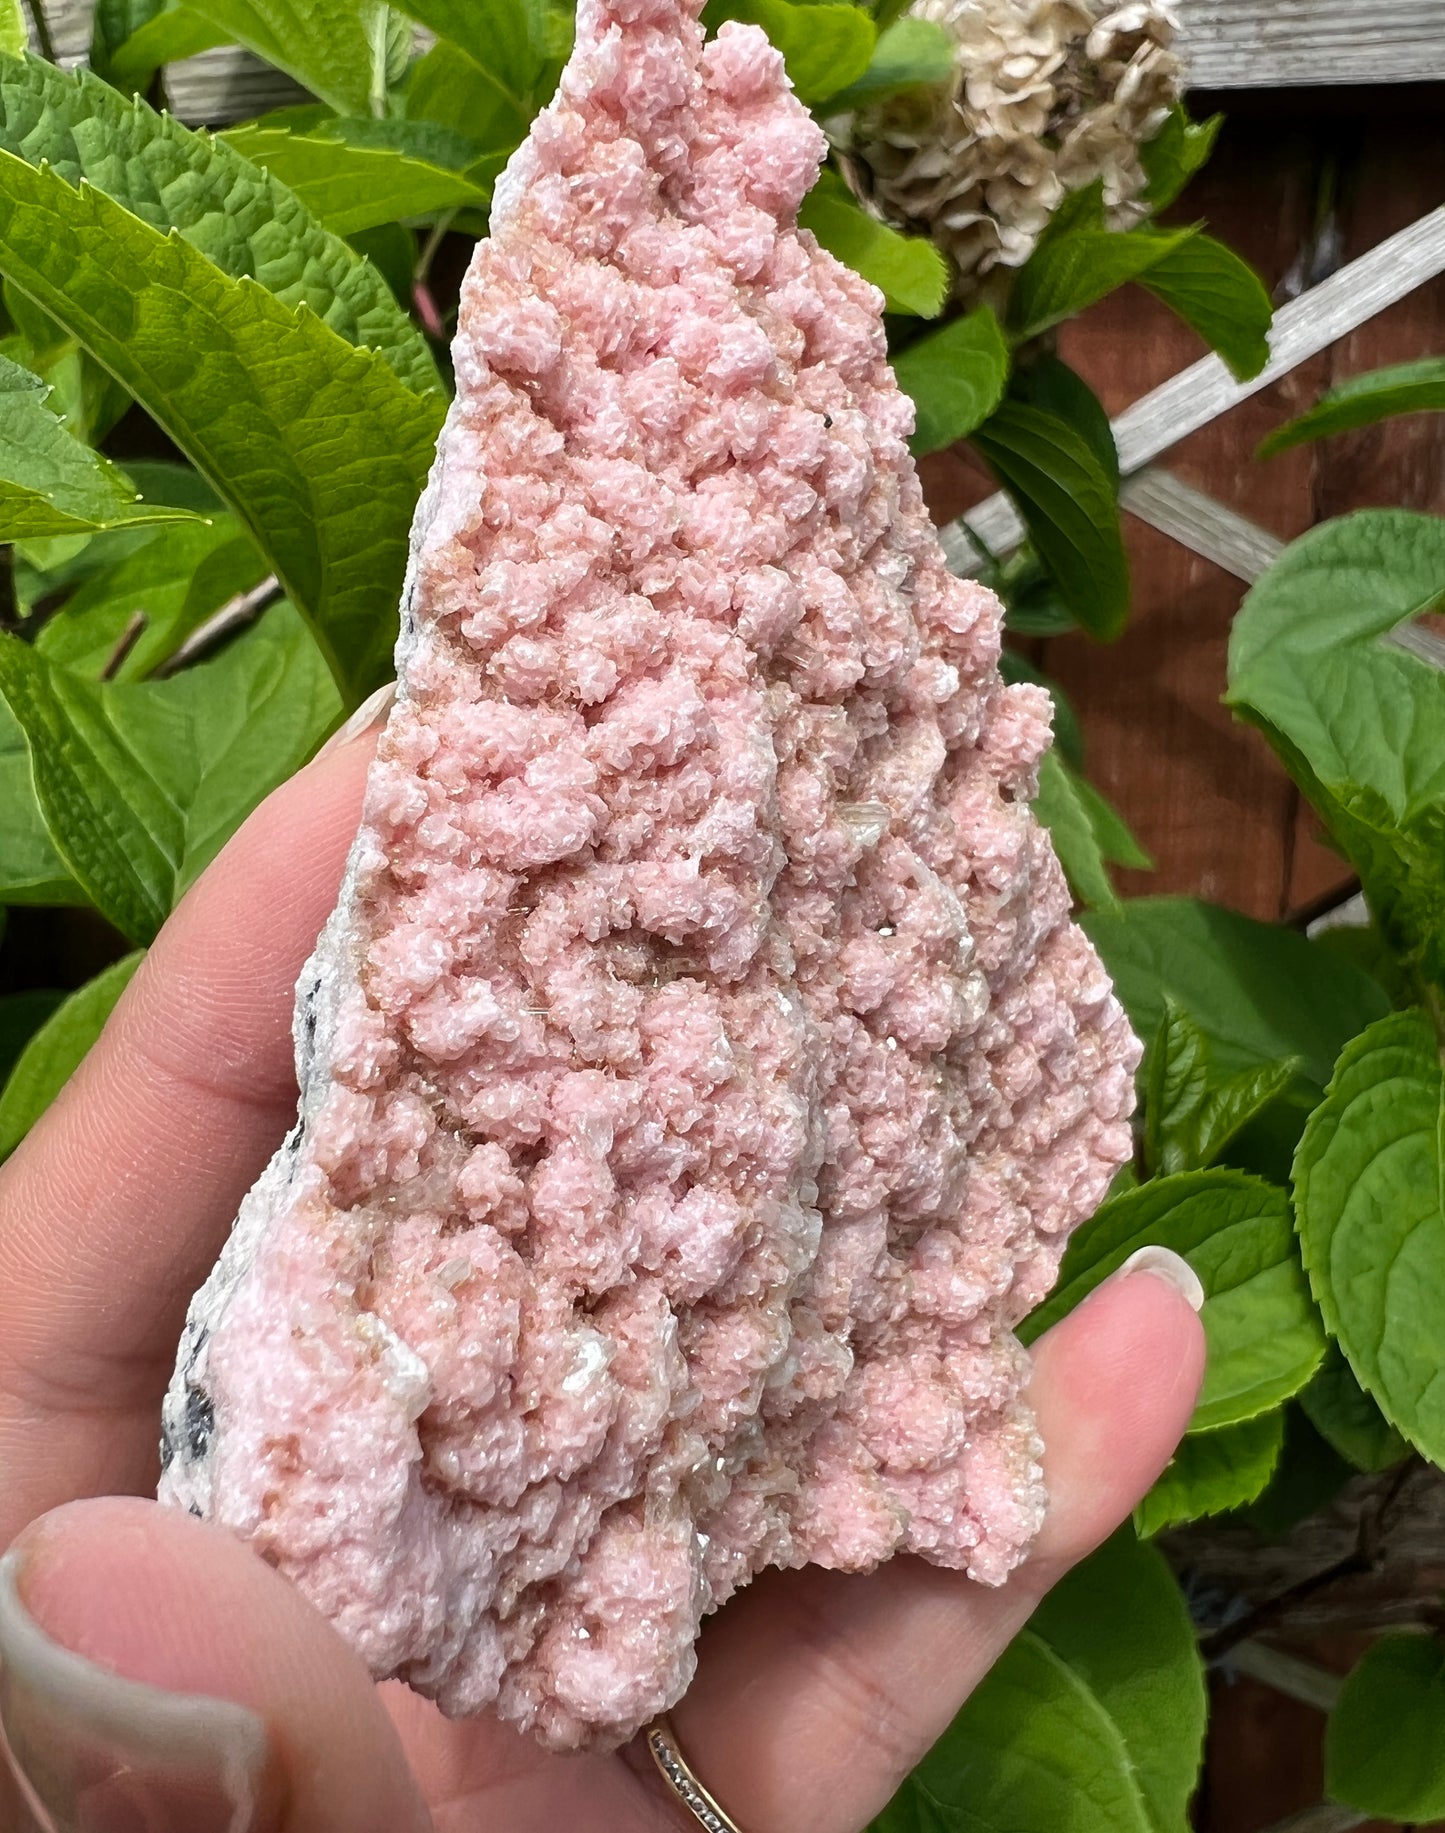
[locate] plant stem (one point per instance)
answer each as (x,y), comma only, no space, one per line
(377,34)
(36,10)
(435,238)
(1363,1558)
(129,637)
(243,609)
(1230,1635)
(9,609)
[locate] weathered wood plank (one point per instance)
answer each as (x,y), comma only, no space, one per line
(1275,44)
(1227,44)
(225,85)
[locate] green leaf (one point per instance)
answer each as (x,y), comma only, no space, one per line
(508,39)
(956,376)
(223,206)
(354,187)
(1121,1623)
(177,32)
(1075,212)
(112,22)
(1370,1190)
(907,269)
(1385,1742)
(1235,1102)
(329,46)
(1045,381)
(87,400)
(1403,388)
(1258,992)
(1060,808)
(1032,604)
(49,1059)
(141,783)
(448,88)
(1212,1473)
(1366,949)
(177,581)
(392,249)
(910,51)
(1087,833)
(50,484)
(826,48)
(1192,1112)
(1178,1080)
(1265,1339)
(887,12)
(427,141)
(1068,504)
(1219,296)
(1308,1477)
(31,871)
(47,340)
(160,480)
(1176,153)
(48,568)
(1117,840)
(1078,261)
(1093,1720)
(1073,268)
(21,1016)
(52,568)
(1342,1412)
(317,447)
(14,32)
(496,63)
(1032,1748)
(1359,719)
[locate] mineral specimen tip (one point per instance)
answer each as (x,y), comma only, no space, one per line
(700,1073)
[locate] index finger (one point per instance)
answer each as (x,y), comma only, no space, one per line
(114,1208)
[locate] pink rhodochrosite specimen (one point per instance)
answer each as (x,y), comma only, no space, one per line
(700,1073)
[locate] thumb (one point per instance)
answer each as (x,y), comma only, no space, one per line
(156,1677)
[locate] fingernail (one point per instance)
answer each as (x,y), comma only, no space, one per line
(1172,1268)
(93,1752)
(372,712)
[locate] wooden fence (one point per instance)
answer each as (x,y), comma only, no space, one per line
(1342,190)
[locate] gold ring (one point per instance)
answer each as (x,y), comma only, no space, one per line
(673,1767)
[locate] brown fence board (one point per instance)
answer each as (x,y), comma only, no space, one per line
(1297,196)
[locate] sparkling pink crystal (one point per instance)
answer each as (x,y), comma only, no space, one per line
(700,1073)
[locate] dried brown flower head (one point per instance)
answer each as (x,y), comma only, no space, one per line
(1045,97)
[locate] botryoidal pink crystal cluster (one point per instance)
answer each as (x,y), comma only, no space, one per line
(700,1073)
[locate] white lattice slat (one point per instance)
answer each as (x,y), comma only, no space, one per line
(1206,389)
(1199,523)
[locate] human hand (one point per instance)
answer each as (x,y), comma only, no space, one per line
(156,1675)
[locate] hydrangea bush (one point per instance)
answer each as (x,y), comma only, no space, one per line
(211,342)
